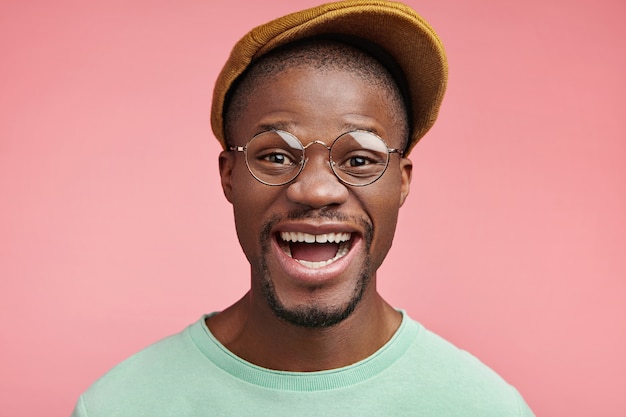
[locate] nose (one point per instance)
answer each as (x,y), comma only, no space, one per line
(317,186)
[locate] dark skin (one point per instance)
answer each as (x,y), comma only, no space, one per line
(312,104)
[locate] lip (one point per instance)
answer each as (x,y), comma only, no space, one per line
(315,276)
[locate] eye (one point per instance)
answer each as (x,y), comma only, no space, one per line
(358,161)
(361,163)
(276,156)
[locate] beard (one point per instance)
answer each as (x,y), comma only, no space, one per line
(315,315)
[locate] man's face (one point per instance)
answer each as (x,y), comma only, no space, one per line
(315,284)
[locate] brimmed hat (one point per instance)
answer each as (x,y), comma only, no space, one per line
(396,28)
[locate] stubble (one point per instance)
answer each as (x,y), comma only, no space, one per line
(314,315)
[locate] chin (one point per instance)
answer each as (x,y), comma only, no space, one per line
(314,315)
(313,294)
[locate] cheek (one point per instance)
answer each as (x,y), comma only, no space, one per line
(383,210)
(251,202)
(247,205)
(385,221)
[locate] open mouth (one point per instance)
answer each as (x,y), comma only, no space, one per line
(315,251)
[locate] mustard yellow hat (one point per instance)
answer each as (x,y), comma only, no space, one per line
(396,28)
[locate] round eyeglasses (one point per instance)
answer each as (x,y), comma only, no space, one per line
(276,157)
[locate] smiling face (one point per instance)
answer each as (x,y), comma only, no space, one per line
(314,244)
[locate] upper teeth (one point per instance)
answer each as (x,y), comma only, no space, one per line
(308,238)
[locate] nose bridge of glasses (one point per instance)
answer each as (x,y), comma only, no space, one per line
(316,142)
(317,170)
(307,155)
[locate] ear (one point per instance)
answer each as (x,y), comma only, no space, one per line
(226,165)
(406,171)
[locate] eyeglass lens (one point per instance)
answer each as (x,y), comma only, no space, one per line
(357,158)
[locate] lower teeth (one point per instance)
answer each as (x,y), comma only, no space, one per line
(344,248)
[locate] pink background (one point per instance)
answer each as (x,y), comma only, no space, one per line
(114,231)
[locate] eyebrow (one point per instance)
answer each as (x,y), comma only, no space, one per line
(287,126)
(346,127)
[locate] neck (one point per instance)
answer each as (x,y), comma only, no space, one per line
(251,331)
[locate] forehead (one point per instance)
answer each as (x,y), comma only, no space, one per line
(317,104)
(305,88)
(325,57)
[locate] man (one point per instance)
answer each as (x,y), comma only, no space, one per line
(316,112)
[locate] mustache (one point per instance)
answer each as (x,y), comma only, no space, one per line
(320,214)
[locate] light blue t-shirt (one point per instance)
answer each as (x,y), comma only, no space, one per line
(191,374)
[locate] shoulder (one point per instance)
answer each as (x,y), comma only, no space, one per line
(135,383)
(154,359)
(432,353)
(454,377)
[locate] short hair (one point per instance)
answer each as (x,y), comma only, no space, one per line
(320,54)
